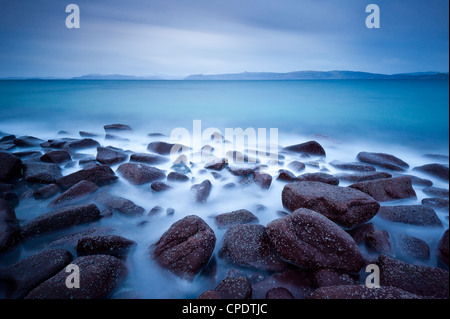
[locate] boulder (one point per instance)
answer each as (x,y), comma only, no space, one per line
(420,181)
(160,187)
(113,245)
(119,204)
(436,192)
(249,246)
(310,240)
(311,147)
(296,166)
(410,214)
(361,292)
(285,176)
(10,167)
(201,191)
(436,203)
(100,175)
(279,293)
(263,180)
(387,189)
(413,247)
(116,127)
(28,141)
(330,277)
(75,194)
(439,171)
(443,248)
(420,280)
(177,177)
(186,247)
(163,148)
(110,155)
(9,227)
(345,206)
(139,174)
(387,161)
(148,158)
(44,173)
(238,287)
(318,177)
(56,157)
(99,276)
(352,166)
(218,165)
(81,144)
(361,176)
(209,294)
(241,216)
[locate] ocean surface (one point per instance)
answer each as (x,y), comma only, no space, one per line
(405,118)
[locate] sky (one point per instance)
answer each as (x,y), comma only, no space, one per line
(183,37)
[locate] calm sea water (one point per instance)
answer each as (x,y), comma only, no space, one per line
(409,113)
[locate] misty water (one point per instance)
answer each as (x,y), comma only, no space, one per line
(408,119)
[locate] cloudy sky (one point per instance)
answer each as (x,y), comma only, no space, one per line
(182,37)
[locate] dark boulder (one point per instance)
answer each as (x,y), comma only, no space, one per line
(263,180)
(318,177)
(160,187)
(352,166)
(439,171)
(361,176)
(201,191)
(436,192)
(56,157)
(413,247)
(113,245)
(110,155)
(410,214)
(241,216)
(10,167)
(279,293)
(285,176)
(81,144)
(387,161)
(218,165)
(100,175)
(296,166)
(238,287)
(28,141)
(387,189)
(148,158)
(139,174)
(436,203)
(311,147)
(44,173)
(46,191)
(443,248)
(420,181)
(116,127)
(209,294)
(9,227)
(75,194)
(119,204)
(163,148)
(240,171)
(177,177)
(330,277)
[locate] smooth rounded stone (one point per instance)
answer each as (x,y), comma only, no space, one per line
(410,214)
(238,287)
(311,147)
(10,167)
(186,247)
(216,175)
(209,294)
(218,165)
(443,248)
(241,171)
(58,143)
(285,176)
(263,180)
(318,177)
(296,166)
(387,189)
(87,134)
(201,191)
(148,158)
(296,281)
(346,206)
(113,245)
(241,216)
(70,241)
(436,192)
(155,210)
(100,275)
(436,170)
(81,144)
(361,292)
(249,246)
(170,211)
(379,241)
(163,148)
(28,273)
(310,240)
(436,203)
(387,161)
(99,174)
(56,157)
(7,138)
(6,146)
(110,155)
(279,293)
(229,185)
(76,193)
(28,141)
(419,181)
(361,176)
(160,187)
(140,174)
(177,177)
(116,138)
(61,218)
(117,127)
(352,166)
(44,173)
(413,247)
(119,204)
(330,277)
(9,227)
(416,279)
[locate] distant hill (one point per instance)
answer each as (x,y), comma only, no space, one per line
(94,76)
(319,75)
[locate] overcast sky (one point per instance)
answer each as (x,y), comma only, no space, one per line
(182,37)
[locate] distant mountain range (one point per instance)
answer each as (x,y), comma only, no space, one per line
(298,75)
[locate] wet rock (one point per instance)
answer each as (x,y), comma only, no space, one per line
(110,155)
(413,247)
(419,280)
(148,158)
(318,177)
(160,187)
(436,170)
(100,175)
(58,219)
(81,144)
(279,293)
(387,161)
(436,203)
(75,194)
(119,204)
(10,167)
(58,143)
(410,214)
(7,138)
(27,274)
(311,147)
(70,241)
(330,277)
(362,176)
(352,166)
(238,287)
(209,294)
(87,134)
(436,192)
(116,127)
(5,146)
(263,180)
(310,240)
(361,292)
(241,216)
(420,181)
(139,174)
(186,247)
(240,171)
(249,246)
(113,245)
(177,177)
(56,157)
(296,166)
(44,173)
(106,272)
(387,189)
(285,176)
(443,248)
(201,191)
(170,211)
(9,227)
(218,165)
(379,241)
(28,141)
(345,206)
(163,148)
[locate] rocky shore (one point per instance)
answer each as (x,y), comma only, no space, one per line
(75,201)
